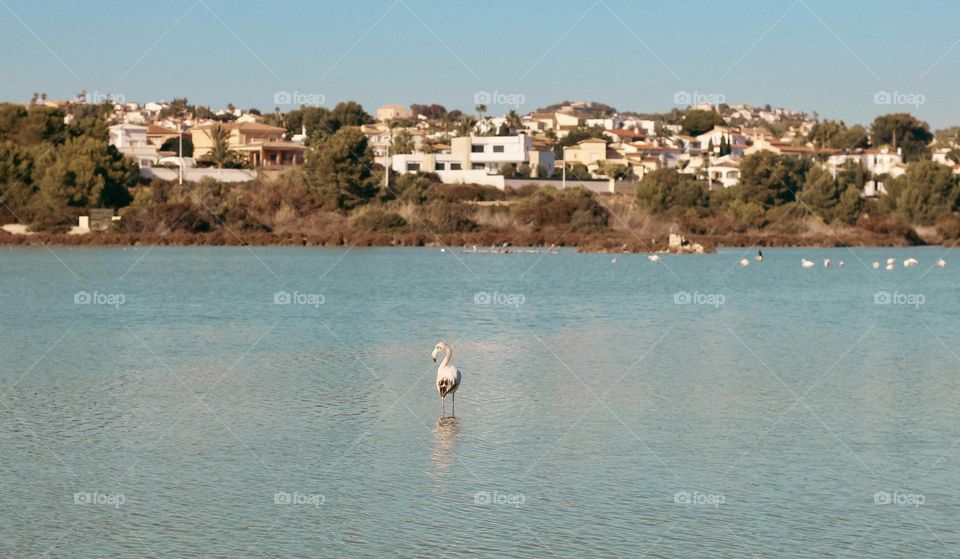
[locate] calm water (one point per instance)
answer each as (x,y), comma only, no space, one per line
(176,410)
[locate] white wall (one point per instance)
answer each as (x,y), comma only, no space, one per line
(194,175)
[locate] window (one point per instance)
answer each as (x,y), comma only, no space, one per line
(413,167)
(456,166)
(497,149)
(440,166)
(476,148)
(478,166)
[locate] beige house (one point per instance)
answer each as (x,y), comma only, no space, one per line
(390,112)
(158,135)
(261,145)
(594,152)
(587,152)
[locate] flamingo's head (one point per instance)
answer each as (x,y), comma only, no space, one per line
(437,350)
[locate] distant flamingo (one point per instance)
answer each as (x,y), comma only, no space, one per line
(806,263)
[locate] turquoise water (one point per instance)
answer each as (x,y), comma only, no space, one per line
(160,403)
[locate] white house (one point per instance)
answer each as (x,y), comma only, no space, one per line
(131,140)
(881,161)
(724,171)
(477,159)
(733,136)
(490,153)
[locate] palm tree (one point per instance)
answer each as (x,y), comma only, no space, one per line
(220,153)
(514,121)
(481,108)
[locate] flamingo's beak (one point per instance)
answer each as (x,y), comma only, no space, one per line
(434,355)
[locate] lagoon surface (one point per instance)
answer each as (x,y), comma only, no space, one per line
(279,402)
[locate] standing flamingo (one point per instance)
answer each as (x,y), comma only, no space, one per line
(448,377)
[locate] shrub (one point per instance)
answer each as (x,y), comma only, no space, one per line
(574,207)
(378,219)
(948,226)
(445,217)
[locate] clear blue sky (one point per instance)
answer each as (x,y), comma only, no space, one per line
(829,56)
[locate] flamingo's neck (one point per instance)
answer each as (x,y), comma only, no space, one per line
(447,357)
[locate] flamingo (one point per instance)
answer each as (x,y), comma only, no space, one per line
(744,262)
(876,266)
(448,377)
(806,263)
(759,256)
(942,263)
(654,258)
(909,262)
(826,262)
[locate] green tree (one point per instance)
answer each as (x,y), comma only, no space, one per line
(903,130)
(36,125)
(821,194)
(770,179)
(835,134)
(579,172)
(954,155)
(614,171)
(86,172)
(402,142)
(849,206)
(666,191)
(173,145)
(91,121)
(340,168)
(696,122)
(350,113)
(925,191)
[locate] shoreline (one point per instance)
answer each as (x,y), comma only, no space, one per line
(617,241)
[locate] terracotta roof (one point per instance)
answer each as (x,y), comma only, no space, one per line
(651,147)
(627,133)
(156,130)
(245,126)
